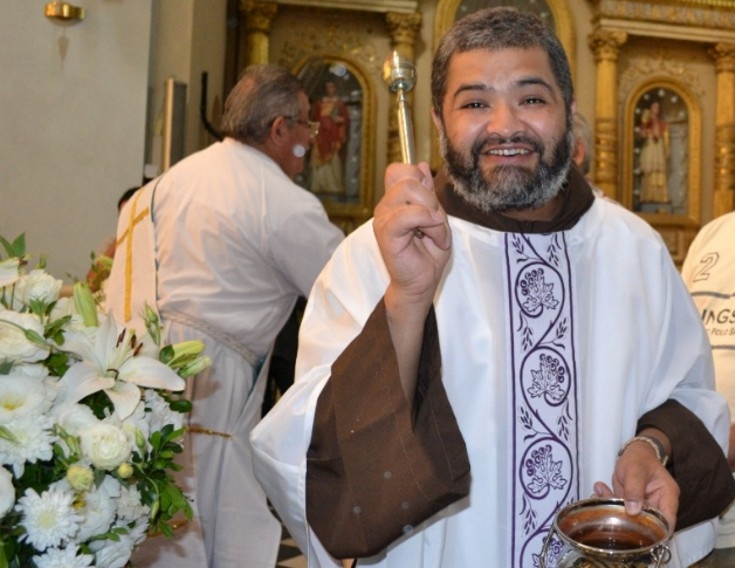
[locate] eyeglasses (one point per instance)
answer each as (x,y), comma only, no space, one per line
(311,125)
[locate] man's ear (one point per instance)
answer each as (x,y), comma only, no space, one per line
(278,129)
(436,118)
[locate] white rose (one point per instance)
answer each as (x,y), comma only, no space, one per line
(65,307)
(74,417)
(36,370)
(7,491)
(105,445)
(37,285)
(9,271)
(14,346)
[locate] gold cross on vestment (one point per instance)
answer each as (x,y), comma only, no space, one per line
(135,218)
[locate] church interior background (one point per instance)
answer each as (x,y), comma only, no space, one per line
(88,109)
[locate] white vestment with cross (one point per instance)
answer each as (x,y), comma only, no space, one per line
(135,262)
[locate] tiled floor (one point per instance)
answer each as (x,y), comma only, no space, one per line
(289,556)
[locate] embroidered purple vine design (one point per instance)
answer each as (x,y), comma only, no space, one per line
(544,388)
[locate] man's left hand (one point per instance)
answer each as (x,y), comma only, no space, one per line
(640,479)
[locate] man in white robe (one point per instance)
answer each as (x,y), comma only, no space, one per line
(476,357)
(230,245)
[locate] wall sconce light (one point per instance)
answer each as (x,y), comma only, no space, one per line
(63,11)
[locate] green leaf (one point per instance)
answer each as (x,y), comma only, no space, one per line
(166,355)
(33,337)
(182,405)
(38,307)
(155,440)
(55,328)
(17,248)
(3,558)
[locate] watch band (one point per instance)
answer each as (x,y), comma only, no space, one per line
(656,444)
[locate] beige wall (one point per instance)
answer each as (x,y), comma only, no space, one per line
(73,105)
(72,113)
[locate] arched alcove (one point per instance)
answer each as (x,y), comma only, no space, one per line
(348,196)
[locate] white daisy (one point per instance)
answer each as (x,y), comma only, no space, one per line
(112,554)
(99,510)
(28,439)
(49,519)
(68,557)
(160,412)
(129,507)
(140,531)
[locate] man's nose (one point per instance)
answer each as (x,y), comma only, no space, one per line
(504,120)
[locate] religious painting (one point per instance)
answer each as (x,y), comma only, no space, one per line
(335,166)
(662,150)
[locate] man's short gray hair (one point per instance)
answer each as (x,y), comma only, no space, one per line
(263,93)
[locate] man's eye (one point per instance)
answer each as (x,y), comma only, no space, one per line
(474,104)
(533,101)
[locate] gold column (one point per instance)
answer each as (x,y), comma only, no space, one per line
(403,29)
(723,199)
(258,18)
(605,44)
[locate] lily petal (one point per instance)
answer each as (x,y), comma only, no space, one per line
(81,380)
(147,372)
(125,397)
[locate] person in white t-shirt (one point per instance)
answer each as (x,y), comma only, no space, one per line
(709,273)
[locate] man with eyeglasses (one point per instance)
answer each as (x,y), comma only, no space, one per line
(230,245)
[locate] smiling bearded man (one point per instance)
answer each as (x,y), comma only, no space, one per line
(507,187)
(474,358)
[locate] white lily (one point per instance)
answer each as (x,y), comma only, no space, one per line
(113,361)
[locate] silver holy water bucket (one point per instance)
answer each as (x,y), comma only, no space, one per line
(598,533)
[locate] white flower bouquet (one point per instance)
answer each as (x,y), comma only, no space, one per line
(91,419)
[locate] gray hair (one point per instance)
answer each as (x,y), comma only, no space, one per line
(583,135)
(263,93)
(496,29)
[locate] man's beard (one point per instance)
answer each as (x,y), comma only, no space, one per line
(507,187)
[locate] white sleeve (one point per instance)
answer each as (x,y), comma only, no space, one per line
(335,313)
